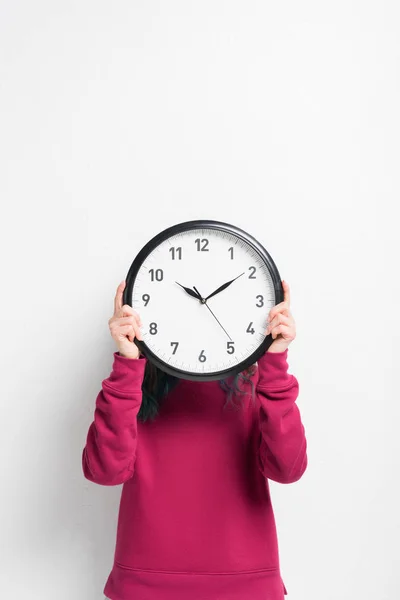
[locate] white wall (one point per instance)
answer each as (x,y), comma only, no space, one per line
(119,119)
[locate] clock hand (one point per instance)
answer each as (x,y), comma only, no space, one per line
(204,301)
(189,291)
(222,287)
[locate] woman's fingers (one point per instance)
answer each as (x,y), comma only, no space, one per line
(123,310)
(286,292)
(131,320)
(286,331)
(284,325)
(125,325)
(281,308)
(130,331)
(284,306)
(118,298)
(118,325)
(128,310)
(278,320)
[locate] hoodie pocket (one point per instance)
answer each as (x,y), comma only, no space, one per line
(284,588)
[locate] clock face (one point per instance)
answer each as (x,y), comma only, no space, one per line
(195,333)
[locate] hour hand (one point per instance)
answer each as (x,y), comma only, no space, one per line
(189,291)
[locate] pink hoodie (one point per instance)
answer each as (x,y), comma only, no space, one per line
(195,518)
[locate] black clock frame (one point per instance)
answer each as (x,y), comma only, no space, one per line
(203,224)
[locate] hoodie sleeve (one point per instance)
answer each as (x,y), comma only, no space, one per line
(282,452)
(108,457)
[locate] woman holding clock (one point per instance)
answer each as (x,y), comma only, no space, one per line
(194,456)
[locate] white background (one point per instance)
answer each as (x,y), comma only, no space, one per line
(119,119)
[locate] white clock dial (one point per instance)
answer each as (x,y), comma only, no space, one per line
(187,334)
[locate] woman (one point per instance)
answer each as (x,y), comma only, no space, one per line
(195,518)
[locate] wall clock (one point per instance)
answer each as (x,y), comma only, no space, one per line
(203,290)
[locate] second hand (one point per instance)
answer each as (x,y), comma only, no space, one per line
(203,301)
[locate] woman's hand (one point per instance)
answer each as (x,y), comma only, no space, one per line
(125,326)
(281,324)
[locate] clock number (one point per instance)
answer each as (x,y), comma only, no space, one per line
(153,328)
(252,276)
(176,344)
(158,274)
(202,357)
(230,347)
(231,251)
(261,300)
(146,299)
(176,251)
(204,248)
(250,328)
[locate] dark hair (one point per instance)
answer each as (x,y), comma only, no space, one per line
(157,384)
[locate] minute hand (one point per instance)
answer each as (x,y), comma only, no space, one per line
(222,287)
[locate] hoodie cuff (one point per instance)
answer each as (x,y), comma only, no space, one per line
(273,370)
(127,371)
